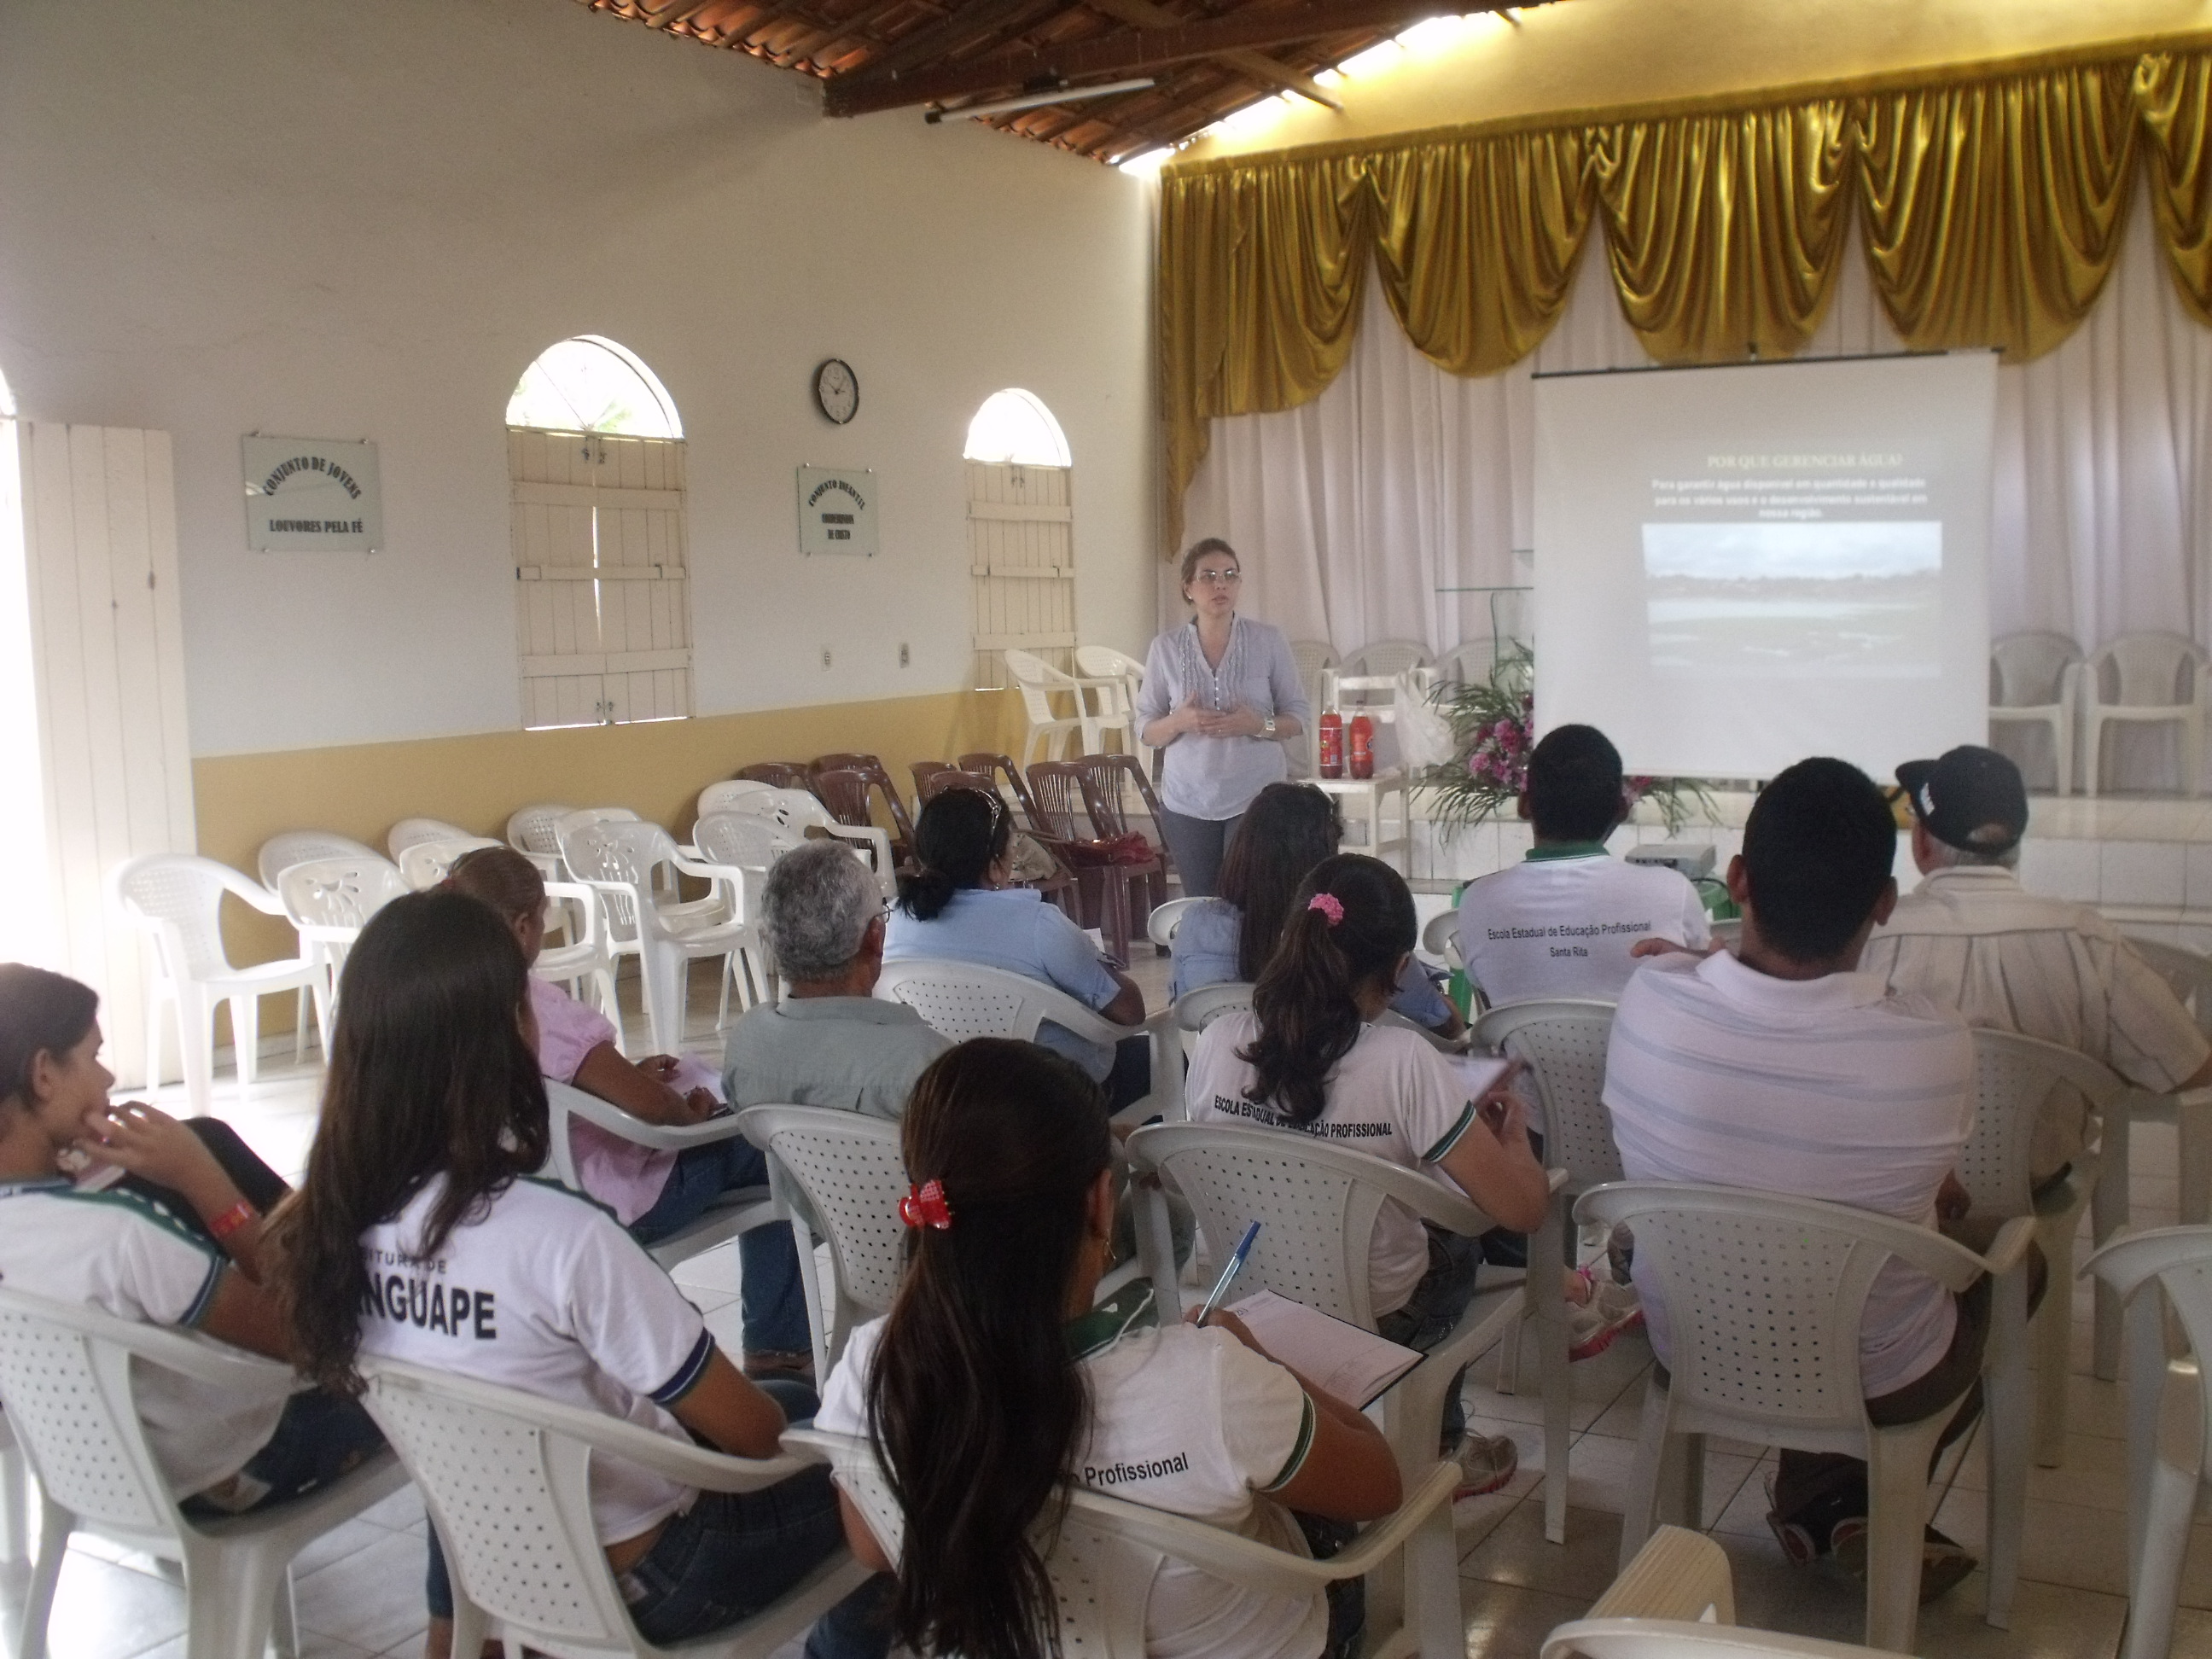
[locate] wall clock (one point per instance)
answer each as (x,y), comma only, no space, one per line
(836,390)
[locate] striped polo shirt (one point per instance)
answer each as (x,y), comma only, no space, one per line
(1828,1088)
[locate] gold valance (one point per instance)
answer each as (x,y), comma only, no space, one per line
(1990,212)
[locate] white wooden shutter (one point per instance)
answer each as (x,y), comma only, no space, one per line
(602,608)
(106,632)
(1021,543)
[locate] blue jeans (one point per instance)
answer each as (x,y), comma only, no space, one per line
(732,1554)
(772,1301)
(1433,1310)
(319,1437)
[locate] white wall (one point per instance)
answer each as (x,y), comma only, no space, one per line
(328,218)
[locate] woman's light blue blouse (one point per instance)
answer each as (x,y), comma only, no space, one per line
(1205,951)
(1217,777)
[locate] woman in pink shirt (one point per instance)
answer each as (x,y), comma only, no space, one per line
(651,1192)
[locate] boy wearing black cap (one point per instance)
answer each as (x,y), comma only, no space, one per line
(1971,938)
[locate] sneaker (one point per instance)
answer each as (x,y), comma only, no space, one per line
(1487,1462)
(763,1363)
(1610,1309)
(1943,1562)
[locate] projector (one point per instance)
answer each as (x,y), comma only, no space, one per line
(1692,858)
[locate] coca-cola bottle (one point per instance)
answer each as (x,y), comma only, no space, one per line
(1332,745)
(1362,747)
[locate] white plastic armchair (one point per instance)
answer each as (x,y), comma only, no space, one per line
(1161,924)
(407,832)
(2035,679)
(2138,679)
(531,832)
(177,898)
(718,796)
(68,1379)
(585,959)
(839,1176)
(1440,940)
(1675,1638)
(1309,657)
(1108,1551)
(424,864)
(1118,679)
(2169,1416)
(1764,1296)
(1194,1011)
(507,1479)
(796,812)
(281,851)
(965,1000)
(737,1210)
(328,902)
(1321,1202)
(1036,680)
(2190,974)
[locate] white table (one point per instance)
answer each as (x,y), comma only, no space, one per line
(1364,798)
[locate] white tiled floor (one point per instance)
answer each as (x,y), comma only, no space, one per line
(359,1590)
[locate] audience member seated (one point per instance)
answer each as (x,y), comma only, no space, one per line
(956,907)
(651,1192)
(1288,828)
(829,1043)
(1971,938)
(1307,1057)
(1784,1069)
(434,1119)
(161,1225)
(994,1380)
(1561,922)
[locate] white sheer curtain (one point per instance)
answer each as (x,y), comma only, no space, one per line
(1359,514)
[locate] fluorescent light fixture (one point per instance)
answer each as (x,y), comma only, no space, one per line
(1036,100)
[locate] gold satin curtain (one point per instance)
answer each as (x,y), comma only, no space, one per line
(1990,210)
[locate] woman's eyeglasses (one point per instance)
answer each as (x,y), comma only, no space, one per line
(1217,578)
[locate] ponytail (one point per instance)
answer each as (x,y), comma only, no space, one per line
(955,841)
(1350,923)
(975,1405)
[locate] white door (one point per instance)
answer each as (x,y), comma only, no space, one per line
(1021,543)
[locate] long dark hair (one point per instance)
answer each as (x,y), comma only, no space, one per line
(975,1406)
(1287,829)
(40,1013)
(430,1075)
(955,840)
(1304,998)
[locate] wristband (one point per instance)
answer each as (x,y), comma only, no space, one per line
(232,1219)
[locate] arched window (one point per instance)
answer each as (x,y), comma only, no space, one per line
(596,460)
(1021,534)
(593,384)
(1014,426)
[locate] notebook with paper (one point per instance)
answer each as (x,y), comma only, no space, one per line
(1343,1361)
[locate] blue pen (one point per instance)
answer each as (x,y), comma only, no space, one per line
(1228,1274)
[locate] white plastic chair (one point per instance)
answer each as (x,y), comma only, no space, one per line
(67,1378)
(281,851)
(2169,1416)
(16,1526)
(328,902)
(1320,1202)
(1106,1551)
(796,812)
(716,797)
(1196,1010)
(839,1176)
(964,999)
(407,832)
(424,864)
(585,959)
(2145,679)
(1161,924)
(1309,657)
(738,1211)
(176,898)
(2035,679)
(2013,1075)
(1764,1296)
(531,832)
(618,861)
(1118,678)
(506,1477)
(2189,973)
(1388,658)
(1675,1638)
(1036,680)
(1563,1040)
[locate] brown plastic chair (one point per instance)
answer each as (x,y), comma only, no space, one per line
(1061,886)
(997,766)
(1101,776)
(935,783)
(871,772)
(923,771)
(779,774)
(1058,789)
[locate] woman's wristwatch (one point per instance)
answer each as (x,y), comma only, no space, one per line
(1268,728)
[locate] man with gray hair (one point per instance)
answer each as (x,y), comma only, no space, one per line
(829,1043)
(1971,938)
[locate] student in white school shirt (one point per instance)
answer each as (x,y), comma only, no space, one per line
(1308,1058)
(1563,922)
(652,1192)
(175,1241)
(995,1381)
(419,1234)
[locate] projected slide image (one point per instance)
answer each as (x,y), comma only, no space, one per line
(1800,600)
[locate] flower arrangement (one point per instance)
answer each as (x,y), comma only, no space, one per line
(1492,726)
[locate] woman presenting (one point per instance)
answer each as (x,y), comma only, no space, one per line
(1221,697)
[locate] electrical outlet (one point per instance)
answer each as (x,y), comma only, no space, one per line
(825,656)
(904,657)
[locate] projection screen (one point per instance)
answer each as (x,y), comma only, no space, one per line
(1737,568)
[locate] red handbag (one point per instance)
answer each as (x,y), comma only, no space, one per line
(1127,849)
